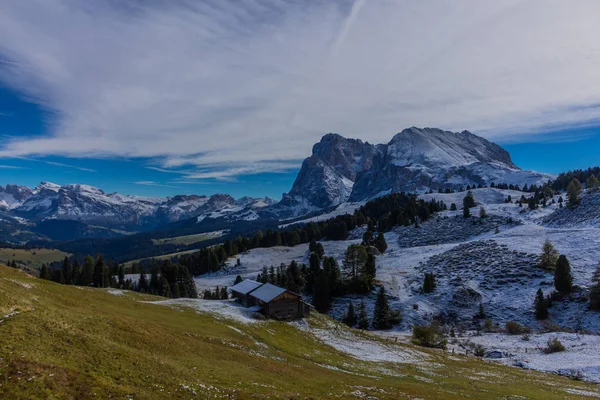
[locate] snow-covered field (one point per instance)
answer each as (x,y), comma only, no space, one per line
(581,357)
(474,265)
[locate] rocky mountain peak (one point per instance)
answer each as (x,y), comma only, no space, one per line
(415,160)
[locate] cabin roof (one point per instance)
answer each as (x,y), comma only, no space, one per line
(267,292)
(245,286)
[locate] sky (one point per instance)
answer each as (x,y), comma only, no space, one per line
(165,97)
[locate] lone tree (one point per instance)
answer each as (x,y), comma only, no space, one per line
(380,242)
(592,183)
(429,283)
(574,193)
(540,305)
(468,202)
(350,316)
(363,318)
(549,256)
(482,213)
(595,291)
(381,312)
(238,279)
(354,261)
(563,280)
(383,317)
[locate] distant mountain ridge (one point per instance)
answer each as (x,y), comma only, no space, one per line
(92,205)
(415,160)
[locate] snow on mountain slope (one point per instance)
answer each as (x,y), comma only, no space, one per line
(89,204)
(419,160)
(498,270)
(415,160)
(587,214)
(12,196)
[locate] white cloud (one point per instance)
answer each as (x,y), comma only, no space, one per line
(11,167)
(152,183)
(230,88)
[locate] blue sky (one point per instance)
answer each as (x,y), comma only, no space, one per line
(160,98)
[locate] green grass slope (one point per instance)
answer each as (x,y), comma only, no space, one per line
(60,342)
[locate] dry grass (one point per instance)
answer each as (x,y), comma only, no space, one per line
(65,342)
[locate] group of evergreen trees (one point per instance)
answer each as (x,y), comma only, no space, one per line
(381,215)
(93,272)
(218,294)
(383,316)
(563,278)
(166,279)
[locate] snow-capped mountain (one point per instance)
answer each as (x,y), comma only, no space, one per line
(415,160)
(92,205)
(12,196)
(327,177)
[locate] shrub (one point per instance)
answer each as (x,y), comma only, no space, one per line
(514,328)
(429,336)
(554,346)
(488,326)
(479,350)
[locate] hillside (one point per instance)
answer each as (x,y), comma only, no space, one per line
(491,261)
(68,342)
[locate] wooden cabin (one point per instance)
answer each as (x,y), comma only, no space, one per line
(279,303)
(241,292)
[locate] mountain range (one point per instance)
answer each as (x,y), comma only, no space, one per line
(339,170)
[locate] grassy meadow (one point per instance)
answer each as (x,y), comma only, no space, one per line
(65,342)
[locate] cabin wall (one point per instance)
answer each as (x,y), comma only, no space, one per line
(285,308)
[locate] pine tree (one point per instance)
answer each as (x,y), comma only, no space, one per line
(549,256)
(469,200)
(380,243)
(98,280)
(238,279)
(367,238)
(331,271)
(13,264)
(68,271)
(381,313)
(540,305)
(481,313)
(595,290)
(44,272)
(87,274)
(482,213)
(321,294)
(76,273)
(453,207)
(574,193)
(354,260)
(165,290)
(369,272)
(143,282)
(350,316)
(224,295)
(592,183)
(121,274)
(428,283)
(363,318)
(563,280)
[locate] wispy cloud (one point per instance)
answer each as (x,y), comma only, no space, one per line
(11,167)
(152,183)
(57,164)
(227,88)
